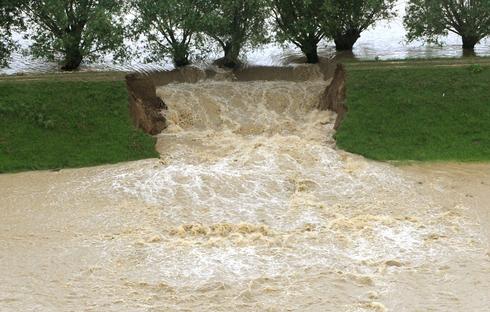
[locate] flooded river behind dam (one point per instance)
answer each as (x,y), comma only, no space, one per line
(384,40)
(251,207)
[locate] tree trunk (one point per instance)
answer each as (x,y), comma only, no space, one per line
(73,54)
(232,52)
(469,53)
(345,41)
(4,50)
(73,59)
(469,42)
(180,55)
(181,62)
(310,50)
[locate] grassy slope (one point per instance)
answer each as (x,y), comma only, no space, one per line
(418,62)
(52,123)
(429,113)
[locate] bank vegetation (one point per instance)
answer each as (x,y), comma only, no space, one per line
(74,31)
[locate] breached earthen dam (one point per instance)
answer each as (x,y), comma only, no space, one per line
(251,207)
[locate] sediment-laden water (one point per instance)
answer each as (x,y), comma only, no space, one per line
(251,207)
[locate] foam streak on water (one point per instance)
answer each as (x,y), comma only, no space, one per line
(251,207)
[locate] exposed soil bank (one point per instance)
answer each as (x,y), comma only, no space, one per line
(147,109)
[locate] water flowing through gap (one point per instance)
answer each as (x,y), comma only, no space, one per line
(251,206)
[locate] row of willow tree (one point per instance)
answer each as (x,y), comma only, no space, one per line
(72,31)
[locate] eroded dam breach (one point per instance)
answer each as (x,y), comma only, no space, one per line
(147,108)
(251,207)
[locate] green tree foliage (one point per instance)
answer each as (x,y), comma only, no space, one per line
(74,29)
(235,25)
(170,27)
(8,19)
(346,20)
(431,19)
(300,22)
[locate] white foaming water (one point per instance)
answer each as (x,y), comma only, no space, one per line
(251,186)
(252,152)
(251,207)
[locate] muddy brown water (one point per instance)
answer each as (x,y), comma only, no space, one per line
(252,208)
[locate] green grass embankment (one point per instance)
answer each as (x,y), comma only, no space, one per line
(66,121)
(423,112)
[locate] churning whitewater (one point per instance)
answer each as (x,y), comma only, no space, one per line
(250,207)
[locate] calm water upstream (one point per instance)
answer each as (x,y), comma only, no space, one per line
(386,41)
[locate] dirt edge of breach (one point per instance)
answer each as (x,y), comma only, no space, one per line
(147,109)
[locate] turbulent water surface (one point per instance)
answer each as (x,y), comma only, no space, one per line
(385,40)
(250,207)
